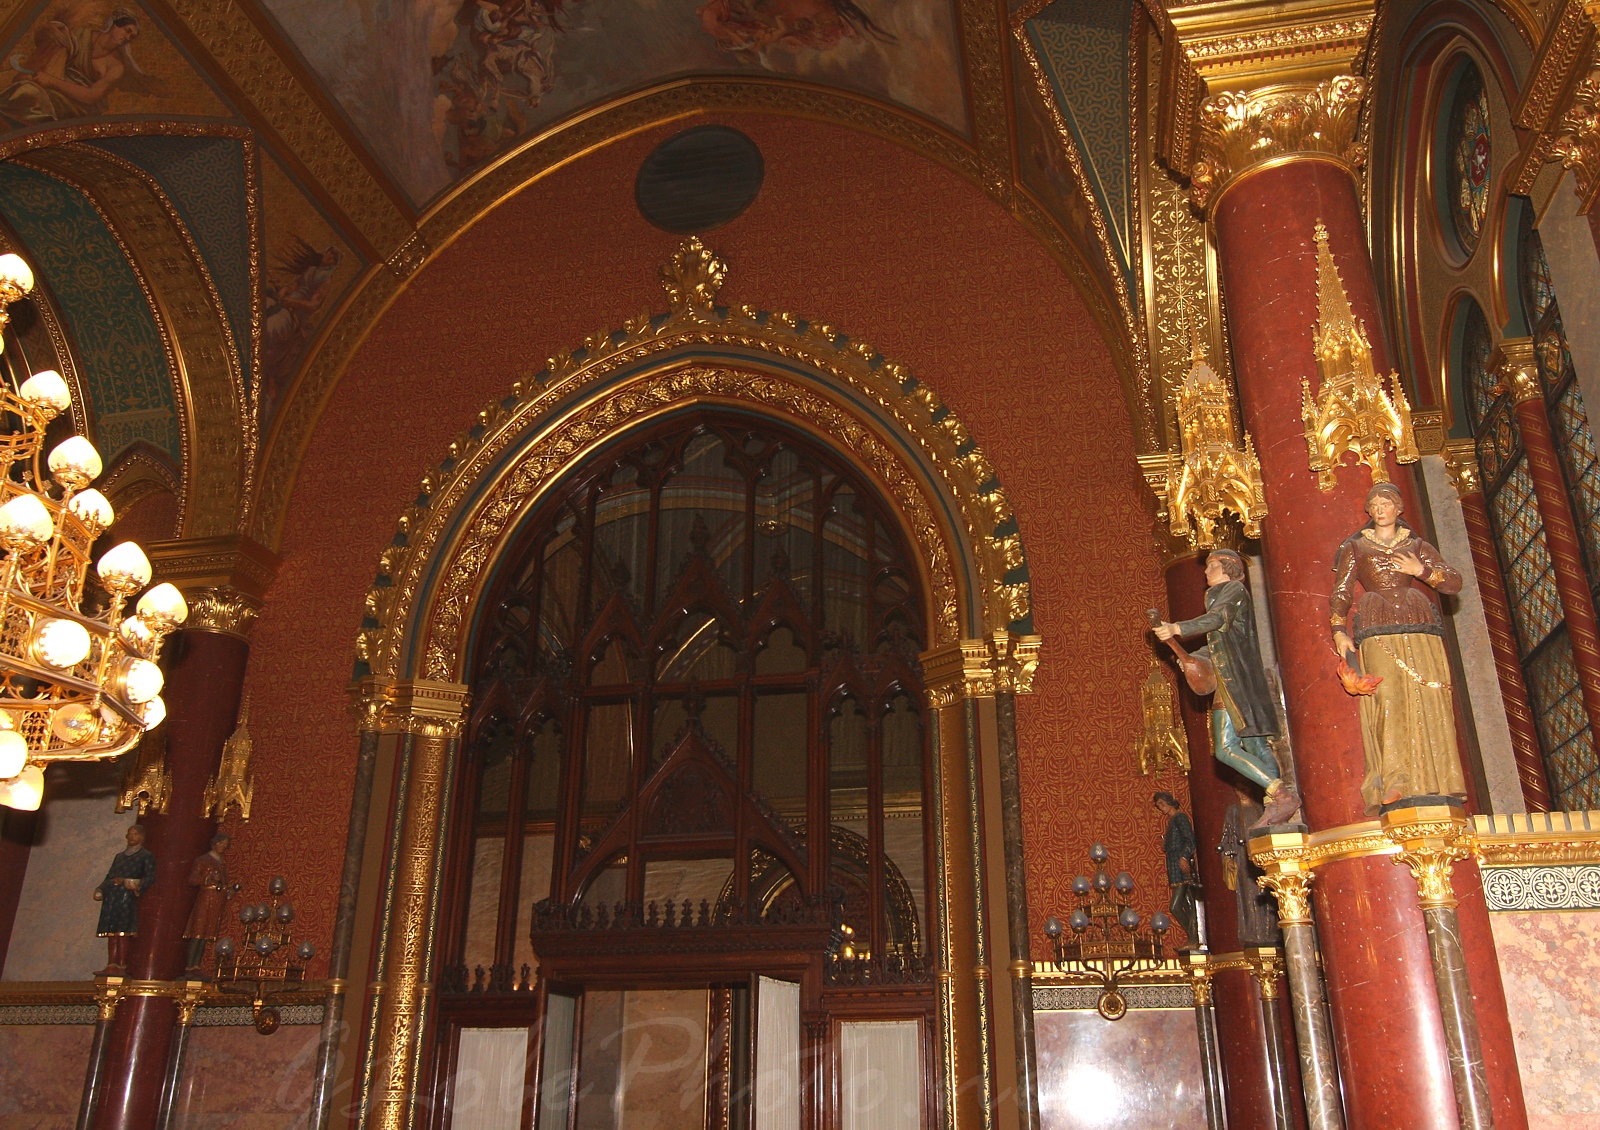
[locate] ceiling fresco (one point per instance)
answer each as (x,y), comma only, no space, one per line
(438,87)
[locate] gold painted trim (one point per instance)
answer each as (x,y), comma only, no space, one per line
(1532,839)
(1267,164)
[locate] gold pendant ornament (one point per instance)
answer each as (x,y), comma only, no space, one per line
(1351,411)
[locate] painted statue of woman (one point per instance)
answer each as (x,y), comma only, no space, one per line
(1408,720)
(132,871)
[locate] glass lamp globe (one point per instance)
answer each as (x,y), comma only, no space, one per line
(60,643)
(154,713)
(141,681)
(163,607)
(93,509)
(224,949)
(75,463)
(1124,882)
(25,523)
(15,273)
(137,636)
(124,568)
(46,393)
(13,753)
(74,724)
(1128,919)
(25,791)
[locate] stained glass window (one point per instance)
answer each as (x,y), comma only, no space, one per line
(1467,153)
(1476,346)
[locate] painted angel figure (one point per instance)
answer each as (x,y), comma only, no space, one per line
(288,309)
(77,61)
(748,27)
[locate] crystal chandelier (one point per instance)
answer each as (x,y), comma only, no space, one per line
(78,680)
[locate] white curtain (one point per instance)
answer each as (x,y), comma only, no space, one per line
(555,1086)
(880,1075)
(491,1064)
(777,1066)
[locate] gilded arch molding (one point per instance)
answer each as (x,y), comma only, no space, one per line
(895,428)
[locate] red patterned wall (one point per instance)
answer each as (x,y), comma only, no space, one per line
(886,246)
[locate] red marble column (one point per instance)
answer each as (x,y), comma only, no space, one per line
(205,676)
(1502,640)
(1560,529)
(1241,1036)
(1381,993)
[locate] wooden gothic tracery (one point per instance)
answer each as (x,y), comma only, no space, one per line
(693,666)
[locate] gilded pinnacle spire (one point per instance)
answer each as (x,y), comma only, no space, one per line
(1212,476)
(1351,411)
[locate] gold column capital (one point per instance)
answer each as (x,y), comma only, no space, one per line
(1514,360)
(224,579)
(1255,84)
(1461,460)
(1285,860)
(429,707)
(1003,663)
(1431,839)
(1266,966)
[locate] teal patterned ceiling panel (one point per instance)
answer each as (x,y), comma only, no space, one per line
(204,177)
(118,346)
(1083,47)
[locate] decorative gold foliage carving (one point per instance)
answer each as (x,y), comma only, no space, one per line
(692,280)
(1242,129)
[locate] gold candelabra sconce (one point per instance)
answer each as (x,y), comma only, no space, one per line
(1213,475)
(1351,411)
(267,962)
(1110,942)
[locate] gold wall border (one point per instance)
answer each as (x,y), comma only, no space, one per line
(872,408)
(677,100)
(1142,403)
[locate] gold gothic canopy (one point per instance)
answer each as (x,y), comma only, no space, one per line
(1351,411)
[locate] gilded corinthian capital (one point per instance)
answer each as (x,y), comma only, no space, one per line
(1255,84)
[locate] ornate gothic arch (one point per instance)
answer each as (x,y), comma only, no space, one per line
(894,428)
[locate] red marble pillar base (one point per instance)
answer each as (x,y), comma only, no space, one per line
(205,675)
(1380,983)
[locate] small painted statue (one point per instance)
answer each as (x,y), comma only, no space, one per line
(132,871)
(1178,844)
(1407,714)
(1257,911)
(209,876)
(1244,718)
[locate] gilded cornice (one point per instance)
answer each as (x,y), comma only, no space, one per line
(1247,84)
(1004,663)
(264,76)
(1559,109)
(228,561)
(649,367)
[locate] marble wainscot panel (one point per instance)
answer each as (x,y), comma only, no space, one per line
(77,834)
(41,1074)
(235,1079)
(1137,1072)
(1550,965)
